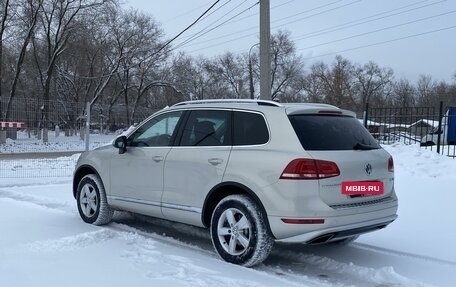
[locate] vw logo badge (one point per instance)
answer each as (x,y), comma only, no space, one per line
(368,169)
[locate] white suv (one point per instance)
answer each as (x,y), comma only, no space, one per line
(254,172)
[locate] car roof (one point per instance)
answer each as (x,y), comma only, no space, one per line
(261,105)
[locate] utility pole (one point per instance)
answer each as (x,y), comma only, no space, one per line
(252,89)
(265,46)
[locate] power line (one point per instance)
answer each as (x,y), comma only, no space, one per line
(226,35)
(188,27)
(339,28)
(221,24)
(208,15)
(379,30)
(283,4)
(357,22)
(382,42)
(251,28)
(306,11)
(318,14)
(221,43)
(188,12)
(254,14)
(159,50)
(190,40)
(255,27)
(214,22)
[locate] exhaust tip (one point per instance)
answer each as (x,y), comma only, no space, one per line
(321,239)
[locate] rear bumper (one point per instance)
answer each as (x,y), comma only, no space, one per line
(337,226)
(340,232)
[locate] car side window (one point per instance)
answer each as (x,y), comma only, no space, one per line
(207,128)
(158,131)
(249,129)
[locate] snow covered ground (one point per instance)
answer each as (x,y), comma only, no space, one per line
(43,242)
(29,143)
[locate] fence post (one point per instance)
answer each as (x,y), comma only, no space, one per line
(87,127)
(2,136)
(366,114)
(439,135)
(2,131)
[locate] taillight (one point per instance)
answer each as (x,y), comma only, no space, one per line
(390,164)
(303,221)
(305,168)
(330,112)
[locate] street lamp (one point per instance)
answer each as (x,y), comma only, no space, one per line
(252,92)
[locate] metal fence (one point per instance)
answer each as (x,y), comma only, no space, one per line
(44,126)
(44,139)
(432,128)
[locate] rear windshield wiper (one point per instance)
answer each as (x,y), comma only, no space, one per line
(360,146)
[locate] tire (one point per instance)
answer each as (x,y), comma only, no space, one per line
(92,203)
(239,231)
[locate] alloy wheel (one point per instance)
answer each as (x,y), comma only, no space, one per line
(234,231)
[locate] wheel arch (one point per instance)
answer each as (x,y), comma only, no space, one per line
(222,190)
(82,171)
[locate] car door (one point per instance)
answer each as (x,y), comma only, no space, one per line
(137,175)
(195,165)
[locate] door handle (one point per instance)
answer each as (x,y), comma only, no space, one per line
(157,158)
(215,161)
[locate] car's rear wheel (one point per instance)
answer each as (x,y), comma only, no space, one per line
(239,231)
(92,203)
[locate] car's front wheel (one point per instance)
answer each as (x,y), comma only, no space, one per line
(92,203)
(239,231)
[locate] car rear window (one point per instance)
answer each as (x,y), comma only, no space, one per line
(331,132)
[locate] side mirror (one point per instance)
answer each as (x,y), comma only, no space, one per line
(121,144)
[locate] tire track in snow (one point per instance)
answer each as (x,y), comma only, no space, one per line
(330,270)
(284,263)
(401,253)
(199,243)
(45,181)
(73,242)
(46,202)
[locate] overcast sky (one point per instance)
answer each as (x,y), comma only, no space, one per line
(323,28)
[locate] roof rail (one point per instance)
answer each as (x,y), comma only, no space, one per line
(232,101)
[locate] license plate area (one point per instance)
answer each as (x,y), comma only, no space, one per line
(362,188)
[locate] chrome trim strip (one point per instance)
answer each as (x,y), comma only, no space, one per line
(232,101)
(384,200)
(134,200)
(182,207)
(157,204)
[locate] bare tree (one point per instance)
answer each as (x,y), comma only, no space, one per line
(286,65)
(29,16)
(5,5)
(228,73)
(372,84)
(313,86)
(426,91)
(58,23)
(403,94)
(336,82)
(190,76)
